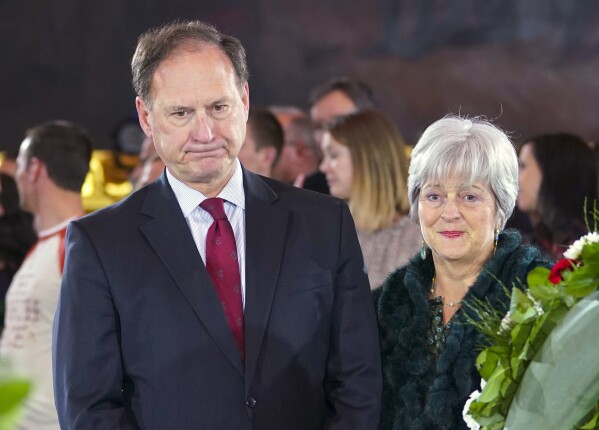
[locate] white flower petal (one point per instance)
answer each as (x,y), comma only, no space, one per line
(470,422)
(573,252)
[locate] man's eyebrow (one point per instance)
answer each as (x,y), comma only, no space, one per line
(175,107)
(222,100)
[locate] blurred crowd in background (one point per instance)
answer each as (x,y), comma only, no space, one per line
(340,145)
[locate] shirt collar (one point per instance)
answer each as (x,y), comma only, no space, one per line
(55,229)
(189,198)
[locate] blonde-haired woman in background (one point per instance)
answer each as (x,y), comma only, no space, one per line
(365,163)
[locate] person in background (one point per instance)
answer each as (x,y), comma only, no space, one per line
(557,175)
(213,298)
(52,164)
(286,113)
(462,186)
(16,236)
(300,156)
(337,97)
(150,165)
(263,142)
(365,163)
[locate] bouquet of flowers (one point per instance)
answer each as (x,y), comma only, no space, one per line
(13,391)
(541,370)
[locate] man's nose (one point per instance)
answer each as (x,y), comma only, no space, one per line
(201,130)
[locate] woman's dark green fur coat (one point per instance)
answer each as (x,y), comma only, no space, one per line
(417,392)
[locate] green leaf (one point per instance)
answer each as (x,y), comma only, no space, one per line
(538,276)
(590,421)
(569,300)
(590,267)
(581,285)
(521,307)
(544,292)
(493,388)
(12,393)
(590,252)
(488,360)
(520,335)
(515,364)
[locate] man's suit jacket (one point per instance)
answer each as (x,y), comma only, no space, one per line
(141,341)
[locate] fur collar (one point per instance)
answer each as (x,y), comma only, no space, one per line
(417,392)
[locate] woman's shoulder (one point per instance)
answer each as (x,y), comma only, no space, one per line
(512,247)
(406,284)
(512,262)
(524,254)
(391,289)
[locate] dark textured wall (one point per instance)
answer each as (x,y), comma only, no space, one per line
(531,64)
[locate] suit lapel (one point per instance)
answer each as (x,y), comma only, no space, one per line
(266,233)
(170,237)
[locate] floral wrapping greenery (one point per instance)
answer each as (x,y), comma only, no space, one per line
(518,338)
(13,391)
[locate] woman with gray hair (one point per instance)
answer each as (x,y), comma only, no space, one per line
(462,186)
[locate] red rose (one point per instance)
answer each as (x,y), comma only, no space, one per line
(555,276)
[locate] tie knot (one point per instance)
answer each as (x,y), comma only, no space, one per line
(215,207)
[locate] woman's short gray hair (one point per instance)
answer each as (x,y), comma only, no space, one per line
(471,148)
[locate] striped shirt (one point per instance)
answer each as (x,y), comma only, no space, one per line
(199,220)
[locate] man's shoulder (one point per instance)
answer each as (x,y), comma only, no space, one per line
(301,199)
(119,212)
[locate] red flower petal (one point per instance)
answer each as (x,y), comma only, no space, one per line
(555,277)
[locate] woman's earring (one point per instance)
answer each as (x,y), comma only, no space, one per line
(496,239)
(423,250)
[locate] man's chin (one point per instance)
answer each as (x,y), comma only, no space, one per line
(206,171)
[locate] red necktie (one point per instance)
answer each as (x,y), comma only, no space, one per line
(223,268)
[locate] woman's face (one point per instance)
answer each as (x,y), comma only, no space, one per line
(337,166)
(458,220)
(530,180)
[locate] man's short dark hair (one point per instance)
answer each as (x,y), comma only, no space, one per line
(357,91)
(64,148)
(267,130)
(155,45)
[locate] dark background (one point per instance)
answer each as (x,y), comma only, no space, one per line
(531,65)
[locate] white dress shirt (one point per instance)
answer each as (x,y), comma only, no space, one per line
(199,220)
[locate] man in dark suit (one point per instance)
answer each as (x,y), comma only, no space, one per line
(147,334)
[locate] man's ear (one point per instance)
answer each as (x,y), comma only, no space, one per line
(142,114)
(36,169)
(245,98)
(269,153)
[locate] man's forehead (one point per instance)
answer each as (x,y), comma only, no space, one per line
(208,68)
(333,104)
(208,59)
